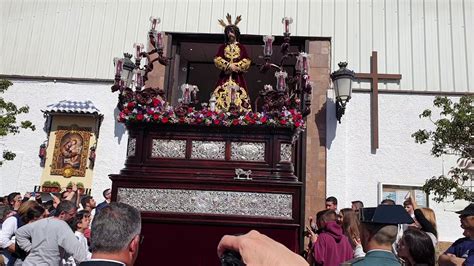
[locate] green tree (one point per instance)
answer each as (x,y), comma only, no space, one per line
(8,122)
(453,135)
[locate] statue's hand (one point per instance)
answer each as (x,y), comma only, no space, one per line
(233,67)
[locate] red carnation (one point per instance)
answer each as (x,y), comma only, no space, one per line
(199,120)
(164,120)
(156,117)
(139,117)
(297,124)
(235,122)
(156,102)
(181,120)
(150,112)
(190,109)
(263,119)
(216,122)
(283,122)
(126,111)
(130,105)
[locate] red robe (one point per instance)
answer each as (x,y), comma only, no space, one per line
(237,54)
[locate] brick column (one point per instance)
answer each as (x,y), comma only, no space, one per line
(316,129)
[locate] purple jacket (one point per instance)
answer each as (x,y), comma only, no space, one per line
(332,247)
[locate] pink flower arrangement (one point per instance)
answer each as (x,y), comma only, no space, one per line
(160,112)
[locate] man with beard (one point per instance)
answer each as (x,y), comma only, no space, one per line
(233,61)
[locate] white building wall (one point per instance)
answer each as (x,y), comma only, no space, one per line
(23,173)
(425,41)
(354,172)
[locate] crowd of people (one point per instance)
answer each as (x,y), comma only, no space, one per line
(389,234)
(52,232)
(72,230)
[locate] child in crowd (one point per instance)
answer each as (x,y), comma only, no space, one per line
(79,224)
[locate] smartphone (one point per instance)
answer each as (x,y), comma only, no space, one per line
(33,194)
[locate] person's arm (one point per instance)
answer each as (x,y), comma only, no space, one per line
(69,242)
(425,224)
(319,250)
(23,237)
(259,249)
(8,230)
(448,259)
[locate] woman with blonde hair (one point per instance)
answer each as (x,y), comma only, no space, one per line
(426,221)
(350,225)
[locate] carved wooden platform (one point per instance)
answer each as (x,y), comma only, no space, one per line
(183,179)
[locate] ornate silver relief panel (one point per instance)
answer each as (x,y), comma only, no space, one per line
(131,148)
(208,150)
(247,151)
(209,202)
(165,148)
(286,152)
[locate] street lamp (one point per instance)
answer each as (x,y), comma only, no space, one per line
(342,80)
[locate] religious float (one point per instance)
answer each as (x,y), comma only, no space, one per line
(198,171)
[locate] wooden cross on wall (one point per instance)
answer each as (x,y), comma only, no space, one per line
(375,77)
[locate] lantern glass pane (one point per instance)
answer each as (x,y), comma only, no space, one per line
(343,88)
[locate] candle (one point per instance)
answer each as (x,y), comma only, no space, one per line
(212,103)
(287,21)
(302,62)
(281,83)
(139,78)
(267,48)
(159,40)
(138,50)
(118,65)
(154,21)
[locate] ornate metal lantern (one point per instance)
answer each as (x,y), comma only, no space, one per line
(342,80)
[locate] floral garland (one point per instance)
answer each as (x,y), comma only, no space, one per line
(160,112)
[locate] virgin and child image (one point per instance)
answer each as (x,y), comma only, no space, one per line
(71,149)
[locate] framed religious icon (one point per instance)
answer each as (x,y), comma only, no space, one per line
(400,192)
(70,151)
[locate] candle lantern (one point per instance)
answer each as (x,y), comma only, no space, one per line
(286,22)
(159,41)
(281,80)
(139,82)
(154,22)
(268,45)
(118,62)
(302,63)
(127,71)
(138,52)
(212,103)
(186,93)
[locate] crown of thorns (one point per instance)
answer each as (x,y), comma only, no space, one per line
(229,20)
